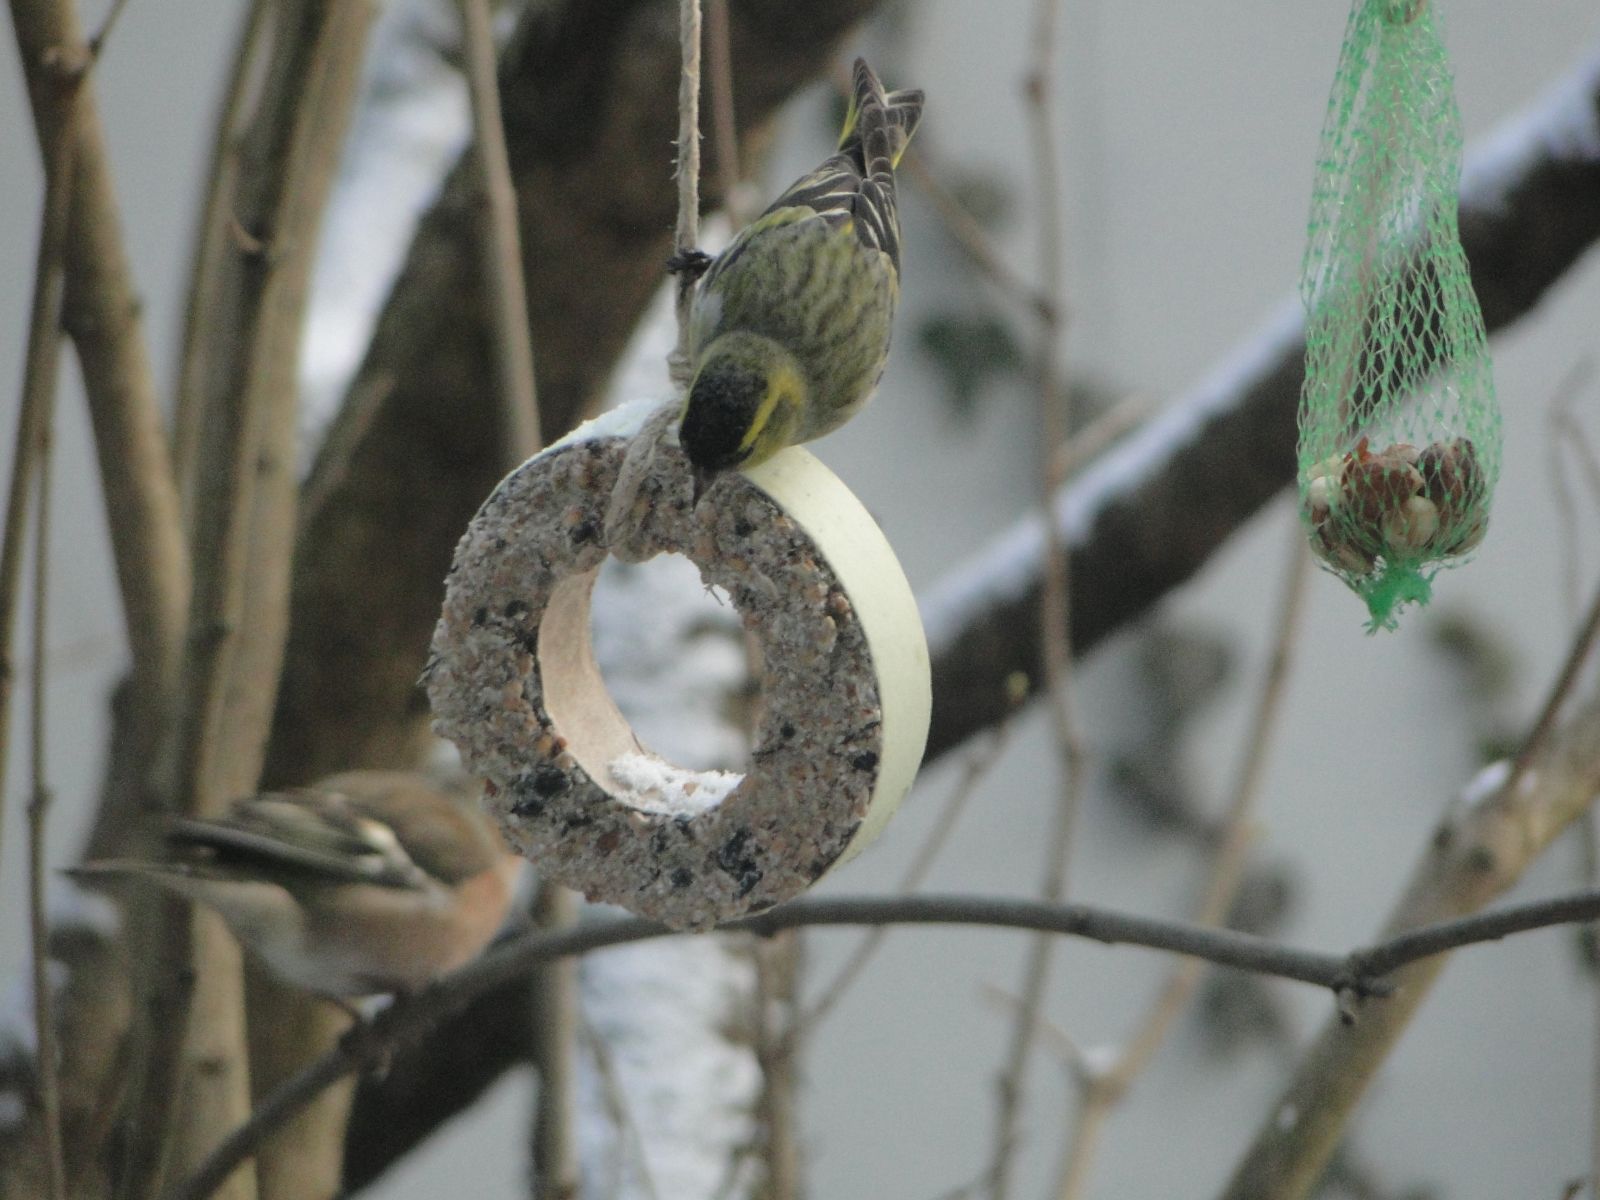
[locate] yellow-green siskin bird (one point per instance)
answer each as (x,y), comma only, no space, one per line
(365,882)
(789,328)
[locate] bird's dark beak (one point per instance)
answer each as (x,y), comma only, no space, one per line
(703,479)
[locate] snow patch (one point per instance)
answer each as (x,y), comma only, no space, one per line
(1486,783)
(1099,1062)
(1009,565)
(1562,124)
(686,1086)
(13,1111)
(655,785)
(412,122)
(68,904)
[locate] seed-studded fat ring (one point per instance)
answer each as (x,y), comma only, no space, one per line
(844,676)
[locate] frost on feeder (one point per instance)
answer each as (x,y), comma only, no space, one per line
(845,685)
(1399,429)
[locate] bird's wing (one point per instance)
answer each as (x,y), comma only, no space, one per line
(442,829)
(855,187)
(835,194)
(310,834)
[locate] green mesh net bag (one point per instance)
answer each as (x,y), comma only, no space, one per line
(1399,430)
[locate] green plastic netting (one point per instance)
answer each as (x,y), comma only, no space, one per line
(1399,430)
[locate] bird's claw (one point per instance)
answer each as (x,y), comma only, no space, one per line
(690,263)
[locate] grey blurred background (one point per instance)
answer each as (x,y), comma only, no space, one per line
(1190,136)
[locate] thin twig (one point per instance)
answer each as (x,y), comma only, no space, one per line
(971,237)
(502,248)
(215,246)
(776,1016)
(724,128)
(686,237)
(1566,516)
(944,823)
(1472,858)
(1359,973)
(1055,617)
(1564,431)
(38,811)
(555,1013)
(40,371)
(97,43)
(1389,956)
(22,459)
(616,1102)
(275,193)
(101,311)
(1103,1091)
(1071,1055)
(31,471)
(39,401)
(1591,856)
(1577,655)
(554,1008)
(362,405)
(1228,869)
(1096,437)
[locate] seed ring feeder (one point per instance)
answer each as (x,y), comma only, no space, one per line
(843,718)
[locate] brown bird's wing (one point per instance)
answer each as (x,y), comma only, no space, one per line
(442,829)
(313,834)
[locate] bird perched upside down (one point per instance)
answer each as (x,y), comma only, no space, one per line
(789,328)
(365,882)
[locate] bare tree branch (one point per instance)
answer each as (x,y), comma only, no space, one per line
(36,435)
(387,1122)
(553,1011)
(500,247)
(244,526)
(943,825)
(216,244)
(776,1013)
(100,310)
(1054,612)
(1519,808)
(1099,1092)
(1560,691)
(1345,975)
(41,368)
(724,125)
(971,237)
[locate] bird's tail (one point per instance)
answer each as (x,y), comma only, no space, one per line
(175,877)
(878,125)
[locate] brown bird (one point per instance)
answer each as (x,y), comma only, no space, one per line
(362,883)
